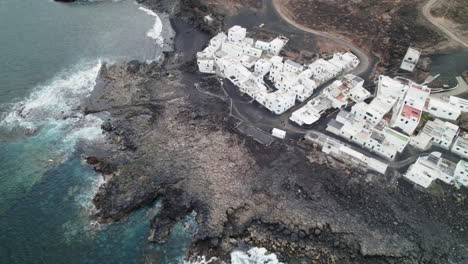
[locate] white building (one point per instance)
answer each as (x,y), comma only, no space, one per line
(311,112)
(276,68)
(437,133)
(442,109)
(461,173)
(274,47)
(262,66)
(460,146)
(345,61)
(409,109)
(323,71)
(278,133)
(291,66)
(233,50)
(336,92)
(279,101)
(426,169)
(461,103)
(395,87)
(234,57)
(206,65)
(375,110)
(379,139)
(236,34)
(346,154)
(410,60)
(251,51)
(357,92)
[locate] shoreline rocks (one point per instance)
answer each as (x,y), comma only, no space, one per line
(180,145)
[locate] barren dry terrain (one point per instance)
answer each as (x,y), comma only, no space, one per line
(385,28)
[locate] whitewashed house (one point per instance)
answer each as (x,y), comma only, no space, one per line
(437,133)
(429,168)
(274,47)
(236,33)
(409,109)
(375,110)
(461,103)
(410,60)
(262,66)
(379,139)
(395,87)
(460,146)
(233,50)
(357,92)
(291,66)
(279,101)
(461,173)
(345,61)
(442,109)
(276,68)
(311,112)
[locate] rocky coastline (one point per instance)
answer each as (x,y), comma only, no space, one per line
(179,144)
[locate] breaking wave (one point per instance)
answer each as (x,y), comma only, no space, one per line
(155,32)
(57,100)
(252,256)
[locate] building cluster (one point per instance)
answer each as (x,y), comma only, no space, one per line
(434,166)
(336,95)
(384,125)
(398,104)
(248,63)
(346,154)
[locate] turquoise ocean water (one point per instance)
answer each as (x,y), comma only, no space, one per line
(50,54)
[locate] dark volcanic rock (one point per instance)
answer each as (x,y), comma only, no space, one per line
(178,144)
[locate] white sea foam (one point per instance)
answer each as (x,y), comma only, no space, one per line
(200,260)
(252,256)
(56,100)
(155,32)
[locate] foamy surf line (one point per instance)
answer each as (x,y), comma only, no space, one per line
(254,255)
(156,31)
(56,100)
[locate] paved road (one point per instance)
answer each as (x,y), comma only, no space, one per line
(426,12)
(365,59)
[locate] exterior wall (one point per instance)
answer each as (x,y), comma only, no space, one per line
(275,71)
(443,110)
(459,149)
(261,45)
(262,66)
(461,173)
(275,46)
(233,50)
(252,51)
(291,68)
(279,102)
(420,174)
(236,34)
(459,103)
(206,66)
(408,125)
(398,140)
(422,141)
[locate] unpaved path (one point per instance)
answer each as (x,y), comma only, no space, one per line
(426,12)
